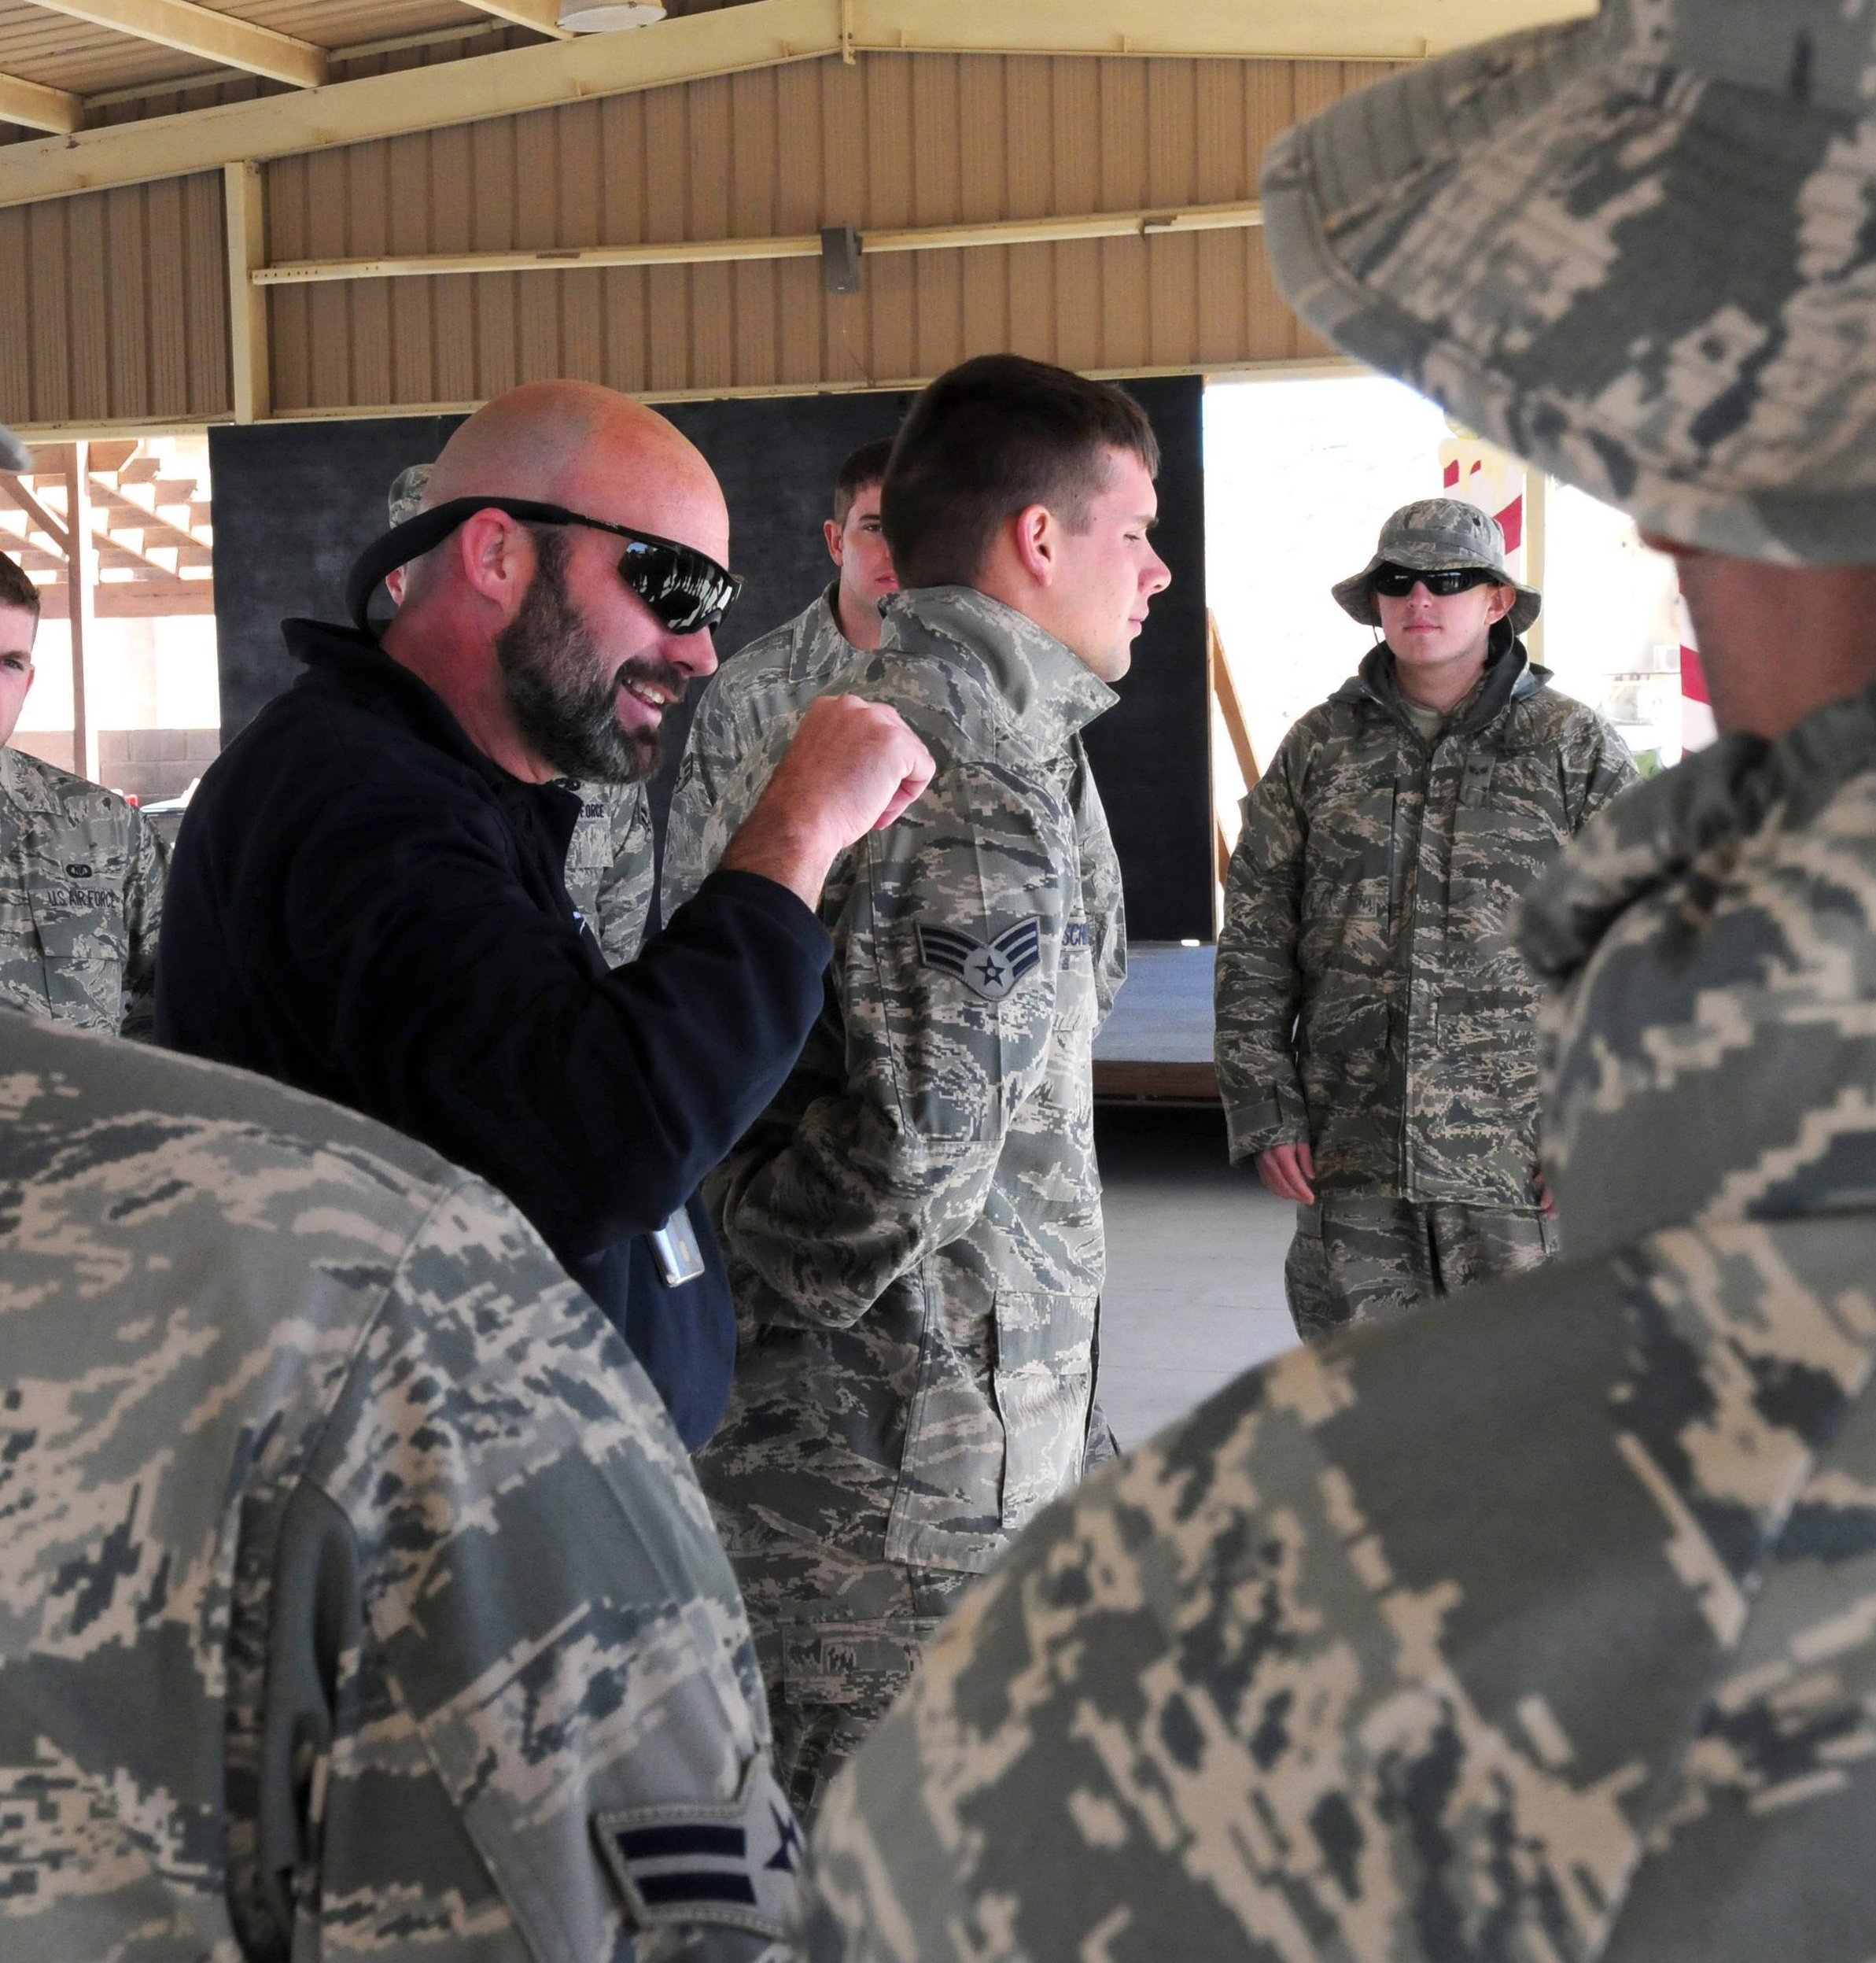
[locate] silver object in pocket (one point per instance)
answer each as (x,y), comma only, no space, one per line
(674,1248)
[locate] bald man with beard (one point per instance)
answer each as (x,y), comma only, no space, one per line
(368,899)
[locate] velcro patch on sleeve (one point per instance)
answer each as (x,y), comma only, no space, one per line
(989,968)
(735,1865)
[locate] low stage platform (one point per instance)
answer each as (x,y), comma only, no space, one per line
(1157,1045)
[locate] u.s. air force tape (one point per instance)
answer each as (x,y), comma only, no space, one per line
(989,969)
(734,1864)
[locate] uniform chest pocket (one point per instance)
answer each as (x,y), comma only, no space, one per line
(1043,1378)
(84,949)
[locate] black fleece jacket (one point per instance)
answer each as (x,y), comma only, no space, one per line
(364,905)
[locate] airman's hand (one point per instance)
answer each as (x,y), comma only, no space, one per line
(1289,1171)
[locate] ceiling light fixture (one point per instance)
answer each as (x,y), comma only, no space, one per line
(608,16)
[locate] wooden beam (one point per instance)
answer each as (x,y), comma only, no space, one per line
(542,15)
(762,33)
(1537,523)
(34,106)
(1011,232)
(135,599)
(244,211)
(203,31)
(15,488)
(81,564)
(1225,687)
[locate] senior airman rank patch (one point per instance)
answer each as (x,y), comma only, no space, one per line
(735,1865)
(990,969)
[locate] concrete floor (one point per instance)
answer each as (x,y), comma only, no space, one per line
(1195,1265)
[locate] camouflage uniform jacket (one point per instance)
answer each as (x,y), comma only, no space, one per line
(747,764)
(1369,998)
(356,1595)
(1538,1628)
(612,865)
(913,1228)
(769,682)
(81,899)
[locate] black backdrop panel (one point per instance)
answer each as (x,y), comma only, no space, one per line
(295,503)
(1151,754)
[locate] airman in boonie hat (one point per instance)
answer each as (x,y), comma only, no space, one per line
(1437,534)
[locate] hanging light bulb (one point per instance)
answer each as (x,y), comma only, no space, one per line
(608,16)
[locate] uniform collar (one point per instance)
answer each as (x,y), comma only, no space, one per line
(1655,832)
(1049,692)
(29,780)
(820,627)
(1511,676)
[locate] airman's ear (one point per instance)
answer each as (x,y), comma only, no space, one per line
(1036,542)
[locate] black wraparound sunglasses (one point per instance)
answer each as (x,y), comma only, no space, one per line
(686,589)
(1398,582)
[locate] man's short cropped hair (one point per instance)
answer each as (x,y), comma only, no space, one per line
(16,589)
(867,466)
(987,442)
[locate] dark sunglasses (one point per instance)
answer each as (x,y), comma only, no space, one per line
(686,589)
(1398,582)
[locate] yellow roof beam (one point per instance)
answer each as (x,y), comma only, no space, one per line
(703,252)
(216,38)
(542,15)
(762,33)
(35,107)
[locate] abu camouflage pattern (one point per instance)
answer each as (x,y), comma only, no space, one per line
(913,1228)
(612,865)
(81,900)
(1712,942)
(1369,1000)
(355,1594)
(1633,250)
(1102,931)
(1358,1257)
(1540,1628)
(768,683)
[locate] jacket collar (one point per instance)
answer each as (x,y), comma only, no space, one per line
(13,777)
(1510,677)
(1048,692)
(357,662)
(817,629)
(1655,832)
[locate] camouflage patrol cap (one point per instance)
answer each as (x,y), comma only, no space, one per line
(1635,250)
(1434,533)
(407,492)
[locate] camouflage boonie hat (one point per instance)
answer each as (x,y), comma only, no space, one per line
(407,492)
(1436,534)
(1636,250)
